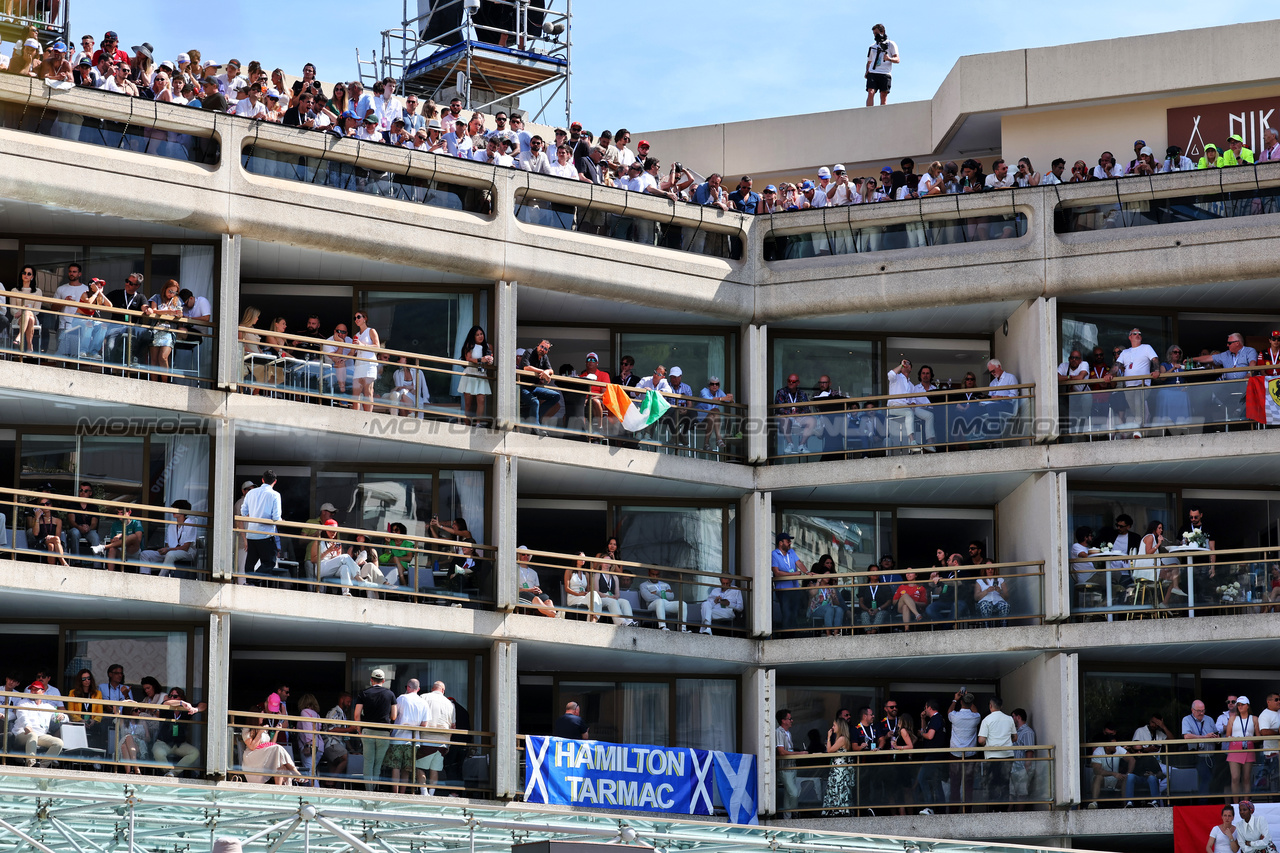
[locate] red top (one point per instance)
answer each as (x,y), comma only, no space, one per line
(602,375)
(915,590)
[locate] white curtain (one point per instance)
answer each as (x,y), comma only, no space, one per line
(644,713)
(465,304)
(705,711)
(470,488)
(196,269)
(186,470)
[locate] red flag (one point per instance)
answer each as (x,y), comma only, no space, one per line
(1255,399)
(1191,826)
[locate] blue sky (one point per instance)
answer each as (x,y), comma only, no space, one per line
(664,63)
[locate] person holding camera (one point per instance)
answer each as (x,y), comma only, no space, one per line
(881,57)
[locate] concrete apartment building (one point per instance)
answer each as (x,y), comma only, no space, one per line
(294,223)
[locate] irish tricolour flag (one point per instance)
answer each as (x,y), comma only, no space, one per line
(1262,399)
(635,414)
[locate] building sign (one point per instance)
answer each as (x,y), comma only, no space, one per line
(1191,128)
(674,780)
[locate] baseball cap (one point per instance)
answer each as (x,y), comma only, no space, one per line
(643,143)
(85,60)
(182,57)
(592,357)
(1211,145)
(675,371)
(838,167)
(807,185)
(378,675)
(32,43)
(887,170)
(771,189)
(332,522)
(37,685)
(1145,150)
(328,507)
(577,125)
(247,484)
(782,536)
(521,351)
(59,45)
(211,64)
(370,117)
(110,35)
(1275,333)
(1138,143)
(1235,137)
(824,172)
(1243,700)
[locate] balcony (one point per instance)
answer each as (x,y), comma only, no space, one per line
(1172,772)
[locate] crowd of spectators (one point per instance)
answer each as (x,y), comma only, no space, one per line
(868,764)
(1128,409)
(160,737)
(381,115)
(1231,756)
(431,737)
(954,591)
(146,332)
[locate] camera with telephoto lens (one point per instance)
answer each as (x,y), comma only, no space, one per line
(880,36)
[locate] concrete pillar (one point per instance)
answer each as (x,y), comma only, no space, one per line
(219,668)
(228,368)
(754,390)
(222,545)
(507,409)
(502,690)
(759,705)
(1032,525)
(755,521)
(1048,687)
(506,576)
(1025,350)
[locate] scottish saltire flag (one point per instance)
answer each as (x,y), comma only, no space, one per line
(632,777)
(1262,399)
(635,415)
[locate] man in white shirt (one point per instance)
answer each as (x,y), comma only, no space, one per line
(1054,175)
(658,598)
(439,714)
(251,105)
(1111,765)
(841,190)
(385,104)
(230,82)
(1140,365)
(533,158)
(1175,162)
(195,307)
(563,166)
(263,502)
(964,722)
(1146,762)
(1269,724)
(997,729)
(1071,376)
(402,754)
(999,179)
(68,341)
(723,602)
(1001,406)
(31,720)
(625,155)
(785,749)
(813,196)
(1107,167)
(179,542)
(881,57)
(901,416)
(924,413)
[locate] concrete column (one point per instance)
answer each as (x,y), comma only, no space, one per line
(222,498)
(759,705)
(507,405)
(219,667)
(754,390)
(1048,687)
(755,521)
(1027,351)
(506,577)
(1032,525)
(502,690)
(228,368)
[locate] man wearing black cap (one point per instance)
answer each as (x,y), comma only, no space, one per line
(212,99)
(375,704)
(1175,162)
(111,47)
(787,569)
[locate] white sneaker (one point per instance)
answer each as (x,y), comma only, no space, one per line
(98,549)
(706,631)
(1091,805)
(791,448)
(665,628)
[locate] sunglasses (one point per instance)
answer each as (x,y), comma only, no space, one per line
(713,384)
(361,317)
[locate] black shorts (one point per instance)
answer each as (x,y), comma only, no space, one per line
(879,83)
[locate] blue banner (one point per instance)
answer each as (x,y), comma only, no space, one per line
(674,780)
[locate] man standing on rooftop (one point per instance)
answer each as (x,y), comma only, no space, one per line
(881,57)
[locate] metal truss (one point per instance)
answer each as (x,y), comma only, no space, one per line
(87,813)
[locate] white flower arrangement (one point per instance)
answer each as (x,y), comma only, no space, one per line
(1195,536)
(1105,547)
(1229,591)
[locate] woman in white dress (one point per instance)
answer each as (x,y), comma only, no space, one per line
(166,312)
(580,588)
(474,385)
(366,363)
(410,391)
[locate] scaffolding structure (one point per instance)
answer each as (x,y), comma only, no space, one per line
(489,53)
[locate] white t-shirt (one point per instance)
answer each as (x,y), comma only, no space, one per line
(1269,719)
(994,183)
(566,170)
(439,714)
(627,184)
(1048,179)
(819,198)
(70,292)
(926,184)
(1137,362)
(646,181)
(411,714)
(878,56)
(1117,171)
(538,164)
(1082,371)
(1221,844)
(899,383)
(1110,763)
(1183,164)
(177,535)
(229,88)
(249,109)
(999,730)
